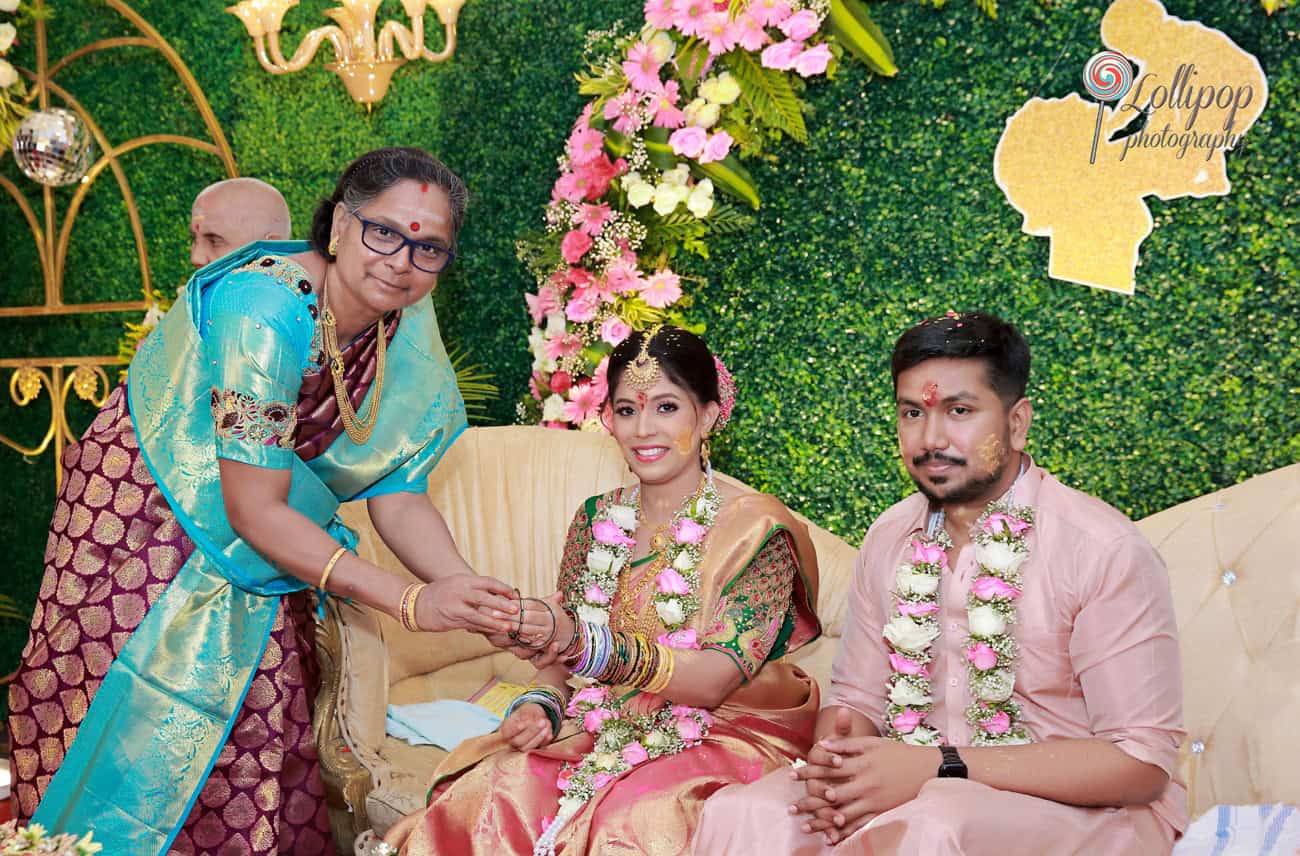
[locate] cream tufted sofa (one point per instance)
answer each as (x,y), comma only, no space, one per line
(508,495)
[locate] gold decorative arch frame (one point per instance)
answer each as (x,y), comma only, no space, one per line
(52,237)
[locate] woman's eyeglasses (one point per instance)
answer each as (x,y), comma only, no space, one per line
(385,240)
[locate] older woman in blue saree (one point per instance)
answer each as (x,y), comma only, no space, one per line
(164,696)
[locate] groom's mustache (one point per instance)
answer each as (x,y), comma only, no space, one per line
(922,460)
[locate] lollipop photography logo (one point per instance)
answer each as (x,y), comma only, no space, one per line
(1181,114)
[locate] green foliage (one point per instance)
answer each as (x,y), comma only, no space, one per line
(767,93)
(888,215)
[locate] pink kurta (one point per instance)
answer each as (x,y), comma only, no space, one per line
(1098,658)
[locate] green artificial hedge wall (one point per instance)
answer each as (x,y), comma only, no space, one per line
(890,214)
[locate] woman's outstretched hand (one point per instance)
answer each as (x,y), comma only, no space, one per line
(468,602)
(527,727)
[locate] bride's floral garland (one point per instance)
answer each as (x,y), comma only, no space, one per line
(1000,549)
(625,740)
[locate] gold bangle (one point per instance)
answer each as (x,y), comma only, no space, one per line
(664,674)
(329,567)
(406,609)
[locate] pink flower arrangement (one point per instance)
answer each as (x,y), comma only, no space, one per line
(575,246)
(689,729)
(813,61)
(999,523)
(583,403)
(671,582)
(719,32)
(800,26)
(782,55)
(614,330)
(928,554)
(593,719)
(769,13)
(596,594)
(560,382)
(689,15)
(662,289)
(906,721)
(687,531)
(750,33)
(592,218)
(641,68)
(994,588)
(981,656)
(660,14)
(563,346)
(998,723)
(689,141)
(917,610)
(635,753)
(717,147)
(608,532)
(602,780)
(584,145)
(906,665)
(667,114)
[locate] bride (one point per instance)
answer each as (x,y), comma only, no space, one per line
(679,596)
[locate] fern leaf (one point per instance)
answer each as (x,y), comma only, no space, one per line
(768,94)
(727,219)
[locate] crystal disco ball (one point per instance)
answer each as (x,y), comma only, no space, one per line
(54,147)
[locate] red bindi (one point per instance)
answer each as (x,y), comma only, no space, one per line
(424,188)
(930,395)
(640,399)
(415,227)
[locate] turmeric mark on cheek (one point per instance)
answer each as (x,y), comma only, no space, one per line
(684,443)
(992,453)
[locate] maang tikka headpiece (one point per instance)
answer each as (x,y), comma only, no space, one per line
(643,372)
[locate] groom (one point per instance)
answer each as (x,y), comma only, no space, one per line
(1008,679)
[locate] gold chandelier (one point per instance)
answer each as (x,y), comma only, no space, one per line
(363,58)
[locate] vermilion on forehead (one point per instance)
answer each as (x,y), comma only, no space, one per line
(930,394)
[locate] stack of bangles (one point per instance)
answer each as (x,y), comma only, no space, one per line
(549,699)
(517,635)
(618,659)
(406,607)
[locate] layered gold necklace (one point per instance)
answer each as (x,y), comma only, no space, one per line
(359,430)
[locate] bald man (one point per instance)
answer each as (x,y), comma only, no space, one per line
(231,213)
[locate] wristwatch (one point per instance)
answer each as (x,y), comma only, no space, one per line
(952,766)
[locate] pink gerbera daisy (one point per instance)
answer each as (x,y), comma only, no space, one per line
(667,114)
(662,289)
(688,15)
(659,13)
(641,68)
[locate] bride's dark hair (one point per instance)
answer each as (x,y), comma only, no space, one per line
(682,355)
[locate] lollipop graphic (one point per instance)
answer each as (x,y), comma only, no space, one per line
(1107,77)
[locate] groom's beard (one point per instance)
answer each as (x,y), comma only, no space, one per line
(973,488)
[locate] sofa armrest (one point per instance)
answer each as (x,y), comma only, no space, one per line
(351,712)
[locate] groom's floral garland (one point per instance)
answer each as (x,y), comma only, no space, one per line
(1000,549)
(677,102)
(625,740)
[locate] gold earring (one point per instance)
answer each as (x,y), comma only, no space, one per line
(704,452)
(334,245)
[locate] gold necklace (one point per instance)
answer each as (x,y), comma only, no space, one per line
(359,430)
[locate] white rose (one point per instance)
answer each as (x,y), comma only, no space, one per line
(909,582)
(677,175)
(985,621)
(569,806)
(668,196)
(662,47)
(906,695)
(722,89)
(553,409)
(7,35)
(670,611)
(8,5)
(701,114)
(639,193)
(906,635)
(656,739)
(999,556)
(600,560)
(8,77)
(922,736)
(555,324)
(683,562)
(701,199)
(624,516)
(592,425)
(592,614)
(606,761)
(996,685)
